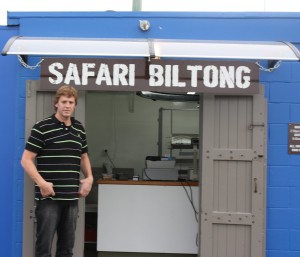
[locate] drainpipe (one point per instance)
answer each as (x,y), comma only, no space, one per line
(137,5)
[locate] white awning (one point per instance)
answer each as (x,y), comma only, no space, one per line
(245,50)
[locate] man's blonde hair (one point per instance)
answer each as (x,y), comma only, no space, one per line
(65,90)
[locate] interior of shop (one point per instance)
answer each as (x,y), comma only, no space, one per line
(127,134)
(123,129)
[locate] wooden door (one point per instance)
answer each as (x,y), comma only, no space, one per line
(233,176)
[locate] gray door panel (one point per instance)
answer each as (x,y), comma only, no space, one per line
(233,176)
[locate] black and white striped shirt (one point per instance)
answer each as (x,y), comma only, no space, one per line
(59,149)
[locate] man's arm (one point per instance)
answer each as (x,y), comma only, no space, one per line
(87,182)
(28,164)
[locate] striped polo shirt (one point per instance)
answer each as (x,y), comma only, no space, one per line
(59,149)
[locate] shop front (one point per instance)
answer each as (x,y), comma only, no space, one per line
(243,81)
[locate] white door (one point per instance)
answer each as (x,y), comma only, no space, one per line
(39,104)
(233,176)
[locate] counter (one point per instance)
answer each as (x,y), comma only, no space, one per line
(146,182)
(147,216)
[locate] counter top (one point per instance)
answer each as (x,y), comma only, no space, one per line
(147,182)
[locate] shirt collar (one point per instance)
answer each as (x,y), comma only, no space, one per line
(55,120)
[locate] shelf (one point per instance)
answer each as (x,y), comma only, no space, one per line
(175,135)
(181,147)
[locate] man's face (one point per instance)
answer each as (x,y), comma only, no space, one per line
(65,107)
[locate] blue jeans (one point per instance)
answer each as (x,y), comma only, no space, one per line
(55,216)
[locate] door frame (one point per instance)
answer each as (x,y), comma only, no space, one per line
(32,87)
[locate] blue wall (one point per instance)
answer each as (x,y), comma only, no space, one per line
(282,89)
(11,200)
(283,202)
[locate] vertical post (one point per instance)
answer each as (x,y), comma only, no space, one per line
(200,157)
(137,5)
(160,131)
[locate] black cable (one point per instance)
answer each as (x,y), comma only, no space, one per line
(192,203)
(190,198)
(110,160)
(147,175)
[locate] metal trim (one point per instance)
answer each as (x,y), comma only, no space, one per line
(293,48)
(8,45)
(152,48)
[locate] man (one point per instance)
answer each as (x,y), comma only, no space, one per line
(58,145)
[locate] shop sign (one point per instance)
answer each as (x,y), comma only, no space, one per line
(221,77)
(294,138)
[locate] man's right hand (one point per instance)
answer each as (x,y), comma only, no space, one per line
(46,189)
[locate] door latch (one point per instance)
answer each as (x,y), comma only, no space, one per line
(255,185)
(259,124)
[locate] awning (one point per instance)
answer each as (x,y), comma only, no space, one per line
(156,48)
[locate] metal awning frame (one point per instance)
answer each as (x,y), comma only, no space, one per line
(151,48)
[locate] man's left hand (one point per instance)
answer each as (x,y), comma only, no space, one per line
(85,187)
